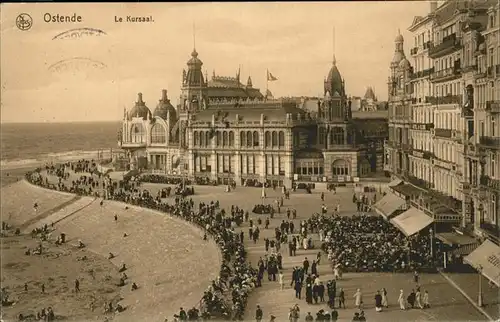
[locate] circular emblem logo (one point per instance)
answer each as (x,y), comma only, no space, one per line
(24,21)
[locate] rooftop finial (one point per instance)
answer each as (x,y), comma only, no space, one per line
(334,60)
(194,37)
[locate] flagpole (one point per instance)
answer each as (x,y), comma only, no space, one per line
(267,82)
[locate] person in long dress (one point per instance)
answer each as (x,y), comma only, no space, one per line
(425,300)
(401,300)
(358,298)
(385,302)
(418,303)
(378,302)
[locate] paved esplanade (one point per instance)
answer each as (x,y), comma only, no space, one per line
(446,303)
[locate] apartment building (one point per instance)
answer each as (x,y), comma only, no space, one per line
(449,113)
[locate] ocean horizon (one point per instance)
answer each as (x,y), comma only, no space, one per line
(24,144)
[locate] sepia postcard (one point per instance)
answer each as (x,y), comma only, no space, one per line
(250,161)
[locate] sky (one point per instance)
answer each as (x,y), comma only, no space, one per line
(101,75)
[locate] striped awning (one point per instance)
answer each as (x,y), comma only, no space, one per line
(388,205)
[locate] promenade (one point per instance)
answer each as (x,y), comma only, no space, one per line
(163,256)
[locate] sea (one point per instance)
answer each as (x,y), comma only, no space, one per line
(26,144)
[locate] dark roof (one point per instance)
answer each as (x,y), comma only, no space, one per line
(251,112)
(448,9)
(242,92)
(370,114)
(140,109)
(164,107)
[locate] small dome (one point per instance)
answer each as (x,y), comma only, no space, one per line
(333,82)
(398,57)
(140,109)
(164,107)
(404,64)
(194,59)
(399,38)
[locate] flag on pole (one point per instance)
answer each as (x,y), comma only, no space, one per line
(270,77)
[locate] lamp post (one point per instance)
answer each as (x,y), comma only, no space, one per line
(432,243)
(480,295)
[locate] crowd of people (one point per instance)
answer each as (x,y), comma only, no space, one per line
(365,243)
(227,295)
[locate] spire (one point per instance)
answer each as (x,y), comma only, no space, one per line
(334,60)
(194,37)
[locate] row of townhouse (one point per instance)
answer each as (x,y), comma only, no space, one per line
(443,152)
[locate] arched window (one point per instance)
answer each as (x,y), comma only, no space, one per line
(224,139)
(243,139)
(249,139)
(196,138)
(217,139)
(207,138)
(322,134)
(202,139)
(281,139)
(137,133)
(340,167)
(255,138)
(275,139)
(267,139)
(338,135)
(158,134)
(364,167)
(231,138)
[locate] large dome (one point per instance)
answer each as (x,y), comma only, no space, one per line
(140,109)
(333,82)
(164,107)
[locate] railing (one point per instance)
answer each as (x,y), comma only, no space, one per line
(132,144)
(491,229)
(488,182)
(493,106)
(423,154)
(448,45)
(444,133)
(469,68)
(449,99)
(428,45)
(446,74)
(490,142)
(422,73)
(418,182)
(422,126)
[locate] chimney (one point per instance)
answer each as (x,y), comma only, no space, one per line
(164,96)
(139,98)
(434,6)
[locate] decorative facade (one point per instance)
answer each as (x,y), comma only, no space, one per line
(225,131)
(443,137)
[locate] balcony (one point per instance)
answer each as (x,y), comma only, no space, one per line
(132,145)
(443,133)
(449,44)
(490,72)
(470,68)
(418,182)
(422,73)
(490,142)
(489,183)
(422,126)
(493,106)
(414,51)
(427,45)
(446,74)
(422,154)
(441,100)
(490,229)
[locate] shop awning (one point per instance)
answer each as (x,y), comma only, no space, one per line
(388,205)
(395,182)
(452,238)
(486,259)
(412,221)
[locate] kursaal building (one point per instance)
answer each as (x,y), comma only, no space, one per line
(223,130)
